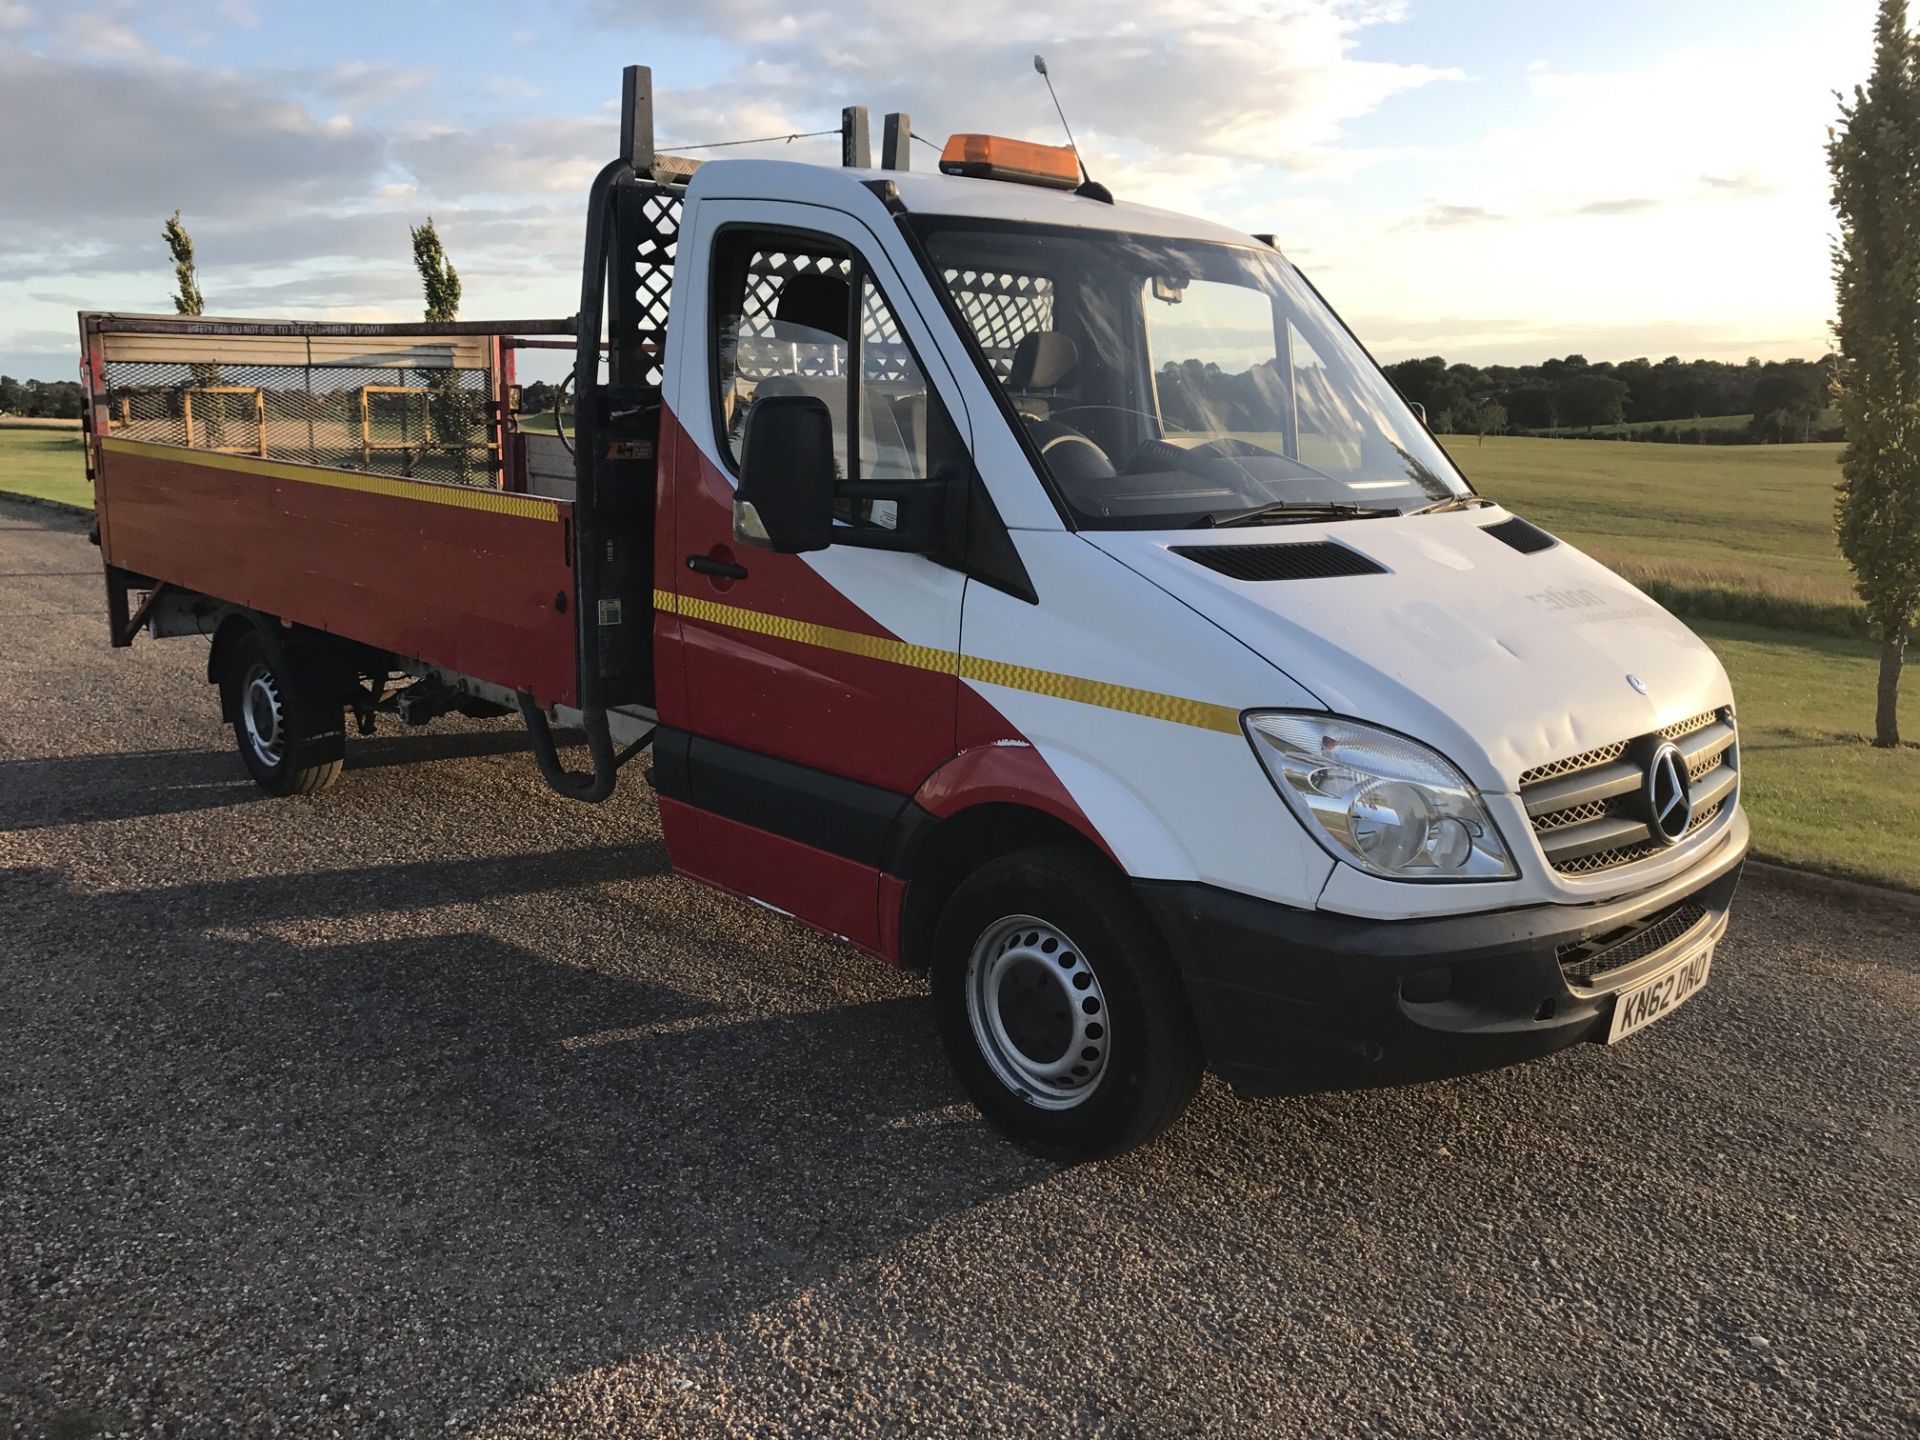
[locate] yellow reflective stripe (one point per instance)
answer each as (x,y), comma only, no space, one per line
(851,642)
(434,492)
(1174,709)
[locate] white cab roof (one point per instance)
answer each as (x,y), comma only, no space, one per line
(931,193)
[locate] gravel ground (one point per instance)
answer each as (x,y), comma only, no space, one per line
(435,1105)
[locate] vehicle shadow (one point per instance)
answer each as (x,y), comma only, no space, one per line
(547,1164)
(76,789)
(419,747)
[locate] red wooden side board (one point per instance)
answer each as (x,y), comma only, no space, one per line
(475,580)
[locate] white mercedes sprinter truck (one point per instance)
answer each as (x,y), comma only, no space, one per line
(1047,594)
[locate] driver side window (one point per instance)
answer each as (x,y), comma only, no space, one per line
(782,310)
(800,315)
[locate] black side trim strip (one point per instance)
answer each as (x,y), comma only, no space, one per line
(796,802)
(669,775)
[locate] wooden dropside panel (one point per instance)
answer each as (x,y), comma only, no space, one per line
(473,580)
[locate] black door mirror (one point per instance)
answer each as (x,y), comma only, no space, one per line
(787,475)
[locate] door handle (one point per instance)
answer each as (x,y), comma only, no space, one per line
(707,565)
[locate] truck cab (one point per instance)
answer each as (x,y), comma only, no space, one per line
(1052,596)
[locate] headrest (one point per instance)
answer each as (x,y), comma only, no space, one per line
(1043,360)
(812,302)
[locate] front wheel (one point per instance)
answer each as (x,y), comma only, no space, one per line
(284,736)
(1060,1008)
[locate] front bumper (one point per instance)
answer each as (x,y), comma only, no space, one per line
(1298,1000)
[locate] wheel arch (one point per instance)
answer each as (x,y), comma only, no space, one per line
(992,799)
(324,665)
(947,849)
(233,626)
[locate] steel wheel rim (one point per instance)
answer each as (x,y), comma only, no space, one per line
(264,715)
(1038,1013)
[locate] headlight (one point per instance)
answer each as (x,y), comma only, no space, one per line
(1378,800)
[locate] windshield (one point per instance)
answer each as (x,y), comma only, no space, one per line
(1171,383)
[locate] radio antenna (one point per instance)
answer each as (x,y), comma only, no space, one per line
(1088,186)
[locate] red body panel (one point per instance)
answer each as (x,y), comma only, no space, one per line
(855,716)
(825,891)
(864,718)
(470,589)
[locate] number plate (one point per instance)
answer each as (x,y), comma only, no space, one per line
(1639,1007)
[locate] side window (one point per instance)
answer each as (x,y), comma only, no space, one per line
(784,324)
(782,311)
(905,433)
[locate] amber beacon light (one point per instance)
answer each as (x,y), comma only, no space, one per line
(994,157)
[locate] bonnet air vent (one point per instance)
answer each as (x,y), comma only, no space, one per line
(1528,539)
(1316,560)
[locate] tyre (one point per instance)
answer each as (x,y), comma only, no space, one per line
(291,743)
(1060,1007)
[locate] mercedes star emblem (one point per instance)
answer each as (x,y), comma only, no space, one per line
(1669,794)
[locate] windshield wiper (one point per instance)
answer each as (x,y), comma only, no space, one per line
(1283,512)
(1452,502)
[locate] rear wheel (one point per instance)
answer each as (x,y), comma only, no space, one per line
(286,740)
(1060,1008)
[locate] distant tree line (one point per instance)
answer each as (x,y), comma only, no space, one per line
(1787,399)
(54,399)
(538,397)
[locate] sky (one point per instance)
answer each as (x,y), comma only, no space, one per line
(1488,180)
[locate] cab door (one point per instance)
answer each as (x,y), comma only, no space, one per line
(815,691)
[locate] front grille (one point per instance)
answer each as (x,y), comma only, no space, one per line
(1626,854)
(1586,961)
(1583,761)
(1587,810)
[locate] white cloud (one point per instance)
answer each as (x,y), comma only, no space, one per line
(100,37)
(144,138)
(1678,206)
(546,155)
(1254,80)
(15,16)
(360,84)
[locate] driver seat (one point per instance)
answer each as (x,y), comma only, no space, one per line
(1045,362)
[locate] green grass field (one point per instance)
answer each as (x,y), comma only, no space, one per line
(44,460)
(1819,795)
(1748,516)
